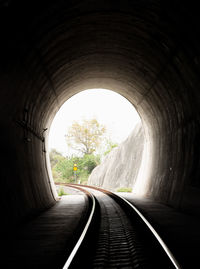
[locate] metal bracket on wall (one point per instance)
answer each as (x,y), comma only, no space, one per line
(30,129)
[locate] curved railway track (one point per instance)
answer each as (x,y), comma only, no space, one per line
(116,235)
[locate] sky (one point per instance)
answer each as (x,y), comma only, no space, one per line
(109,108)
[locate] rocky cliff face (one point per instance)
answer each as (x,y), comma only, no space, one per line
(120,167)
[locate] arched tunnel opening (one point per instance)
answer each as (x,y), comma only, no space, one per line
(101,133)
(147,51)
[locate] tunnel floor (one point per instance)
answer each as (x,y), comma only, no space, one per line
(44,241)
(180,232)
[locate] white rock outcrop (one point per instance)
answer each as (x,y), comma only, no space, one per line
(120,167)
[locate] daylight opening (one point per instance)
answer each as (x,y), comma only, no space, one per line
(96,138)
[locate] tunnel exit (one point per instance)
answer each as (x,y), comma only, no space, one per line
(97,138)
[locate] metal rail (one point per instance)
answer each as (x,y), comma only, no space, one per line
(84,232)
(156,235)
(139,214)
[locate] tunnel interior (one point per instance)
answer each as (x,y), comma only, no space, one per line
(147,51)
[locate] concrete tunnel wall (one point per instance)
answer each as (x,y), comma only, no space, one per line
(148,51)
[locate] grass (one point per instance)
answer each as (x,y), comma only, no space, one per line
(61,192)
(124,189)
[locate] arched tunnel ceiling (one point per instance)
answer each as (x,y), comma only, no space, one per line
(145,50)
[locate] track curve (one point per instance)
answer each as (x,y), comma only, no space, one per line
(85,228)
(119,236)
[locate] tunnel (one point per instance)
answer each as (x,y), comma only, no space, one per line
(147,51)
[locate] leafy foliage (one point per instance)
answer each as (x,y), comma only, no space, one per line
(62,168)
(110,145)
(85,137)
(61,192)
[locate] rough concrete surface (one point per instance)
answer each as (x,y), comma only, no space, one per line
(179,231)
(147,51)
(46,241)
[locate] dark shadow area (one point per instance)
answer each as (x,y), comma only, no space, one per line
(147,51)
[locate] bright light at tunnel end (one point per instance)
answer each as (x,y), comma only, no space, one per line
(105,105)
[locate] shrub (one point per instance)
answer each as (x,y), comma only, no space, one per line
(124,189)
(62,167)
(61,192)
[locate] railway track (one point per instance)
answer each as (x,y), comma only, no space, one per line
(116,235)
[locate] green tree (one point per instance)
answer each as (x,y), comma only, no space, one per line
(85,137)
(62,167)
(89,162)
(85,166)
(55,156)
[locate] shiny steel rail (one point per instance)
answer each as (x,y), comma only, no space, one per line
(121,200)
(153,231)
(84,232)
(157,236)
